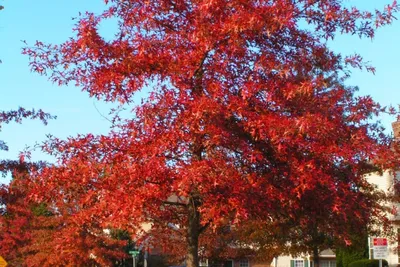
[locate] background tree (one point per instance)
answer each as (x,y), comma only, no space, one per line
(320,228)
(242,118)
(31,233)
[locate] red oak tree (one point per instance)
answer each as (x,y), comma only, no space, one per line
(17,116)
(247,113)
(31,233)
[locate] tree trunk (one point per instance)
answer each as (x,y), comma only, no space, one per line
(316,257)
(193,232)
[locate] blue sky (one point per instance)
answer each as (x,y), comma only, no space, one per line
(50,21)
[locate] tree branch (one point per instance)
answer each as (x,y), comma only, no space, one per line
(204,227)
(174,203)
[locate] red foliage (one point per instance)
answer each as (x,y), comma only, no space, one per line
(33,234)
(248,113)
(17,116)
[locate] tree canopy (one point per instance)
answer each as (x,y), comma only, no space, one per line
(248,118)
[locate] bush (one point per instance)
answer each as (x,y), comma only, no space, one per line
(346,256)
(368,263)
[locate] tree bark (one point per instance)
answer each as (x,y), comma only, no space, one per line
(193,232)
(316,257)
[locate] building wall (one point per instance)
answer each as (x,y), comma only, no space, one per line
(282,261)
(385,183)
(259,264)
(285,260)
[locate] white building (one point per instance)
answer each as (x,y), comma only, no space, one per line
(385,182)
(327,259)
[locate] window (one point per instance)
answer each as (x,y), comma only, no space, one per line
(298,263)
(244,263)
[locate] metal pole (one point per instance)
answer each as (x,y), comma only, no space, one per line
(134,260)
(145,258)
(380,262)
(369,248)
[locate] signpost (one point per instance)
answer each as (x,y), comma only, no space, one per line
(380,252)
(134,254)
(3,262)
(380,249)
(379,241)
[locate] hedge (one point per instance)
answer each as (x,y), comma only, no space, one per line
(368,263)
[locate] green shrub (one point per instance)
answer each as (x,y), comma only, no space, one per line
(357,251)
(368,263)
(346,256)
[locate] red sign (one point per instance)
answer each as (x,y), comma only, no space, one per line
(378,241)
